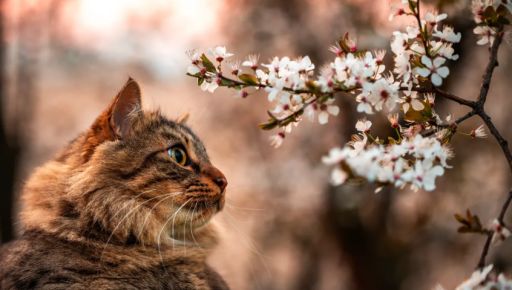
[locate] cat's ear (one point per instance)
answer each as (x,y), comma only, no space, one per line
(183,118)
(125,109)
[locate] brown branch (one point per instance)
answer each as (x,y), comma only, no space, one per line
(465,117)
(444,94)
(485,251)
(454,98)
(501,141)
(501,217)
(493,63)
(479,110)
(422,33)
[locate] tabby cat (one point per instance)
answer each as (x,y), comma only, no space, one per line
(125,205)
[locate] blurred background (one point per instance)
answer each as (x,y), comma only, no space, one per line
(283,227)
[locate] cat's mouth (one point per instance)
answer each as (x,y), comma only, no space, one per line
(205,204)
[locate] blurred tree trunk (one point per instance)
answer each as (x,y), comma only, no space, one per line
(9,150)
(13,130)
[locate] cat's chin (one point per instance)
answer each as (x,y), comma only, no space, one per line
(201,217)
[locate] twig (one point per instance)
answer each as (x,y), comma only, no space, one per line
(501,141)
(465,117)
(487,245)
(493,63)
(455,98)
(504,208)
(423,33)
(445,95)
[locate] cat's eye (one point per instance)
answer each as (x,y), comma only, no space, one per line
(178,155)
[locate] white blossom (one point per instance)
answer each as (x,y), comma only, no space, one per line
(388,163)
(486,34)
(476,280)
(433,18)
(335,155)
(446,50)
(478,132)
(433,68)
(194,58)
(326,109)
(251,61)
(410,100)
(393,120)
(235,68)
(482,279)
(382,93)
(277,140)
(500,232)
(338,176)
(447,34)
(210,84)
(363,125)
(220,53)
(364,105)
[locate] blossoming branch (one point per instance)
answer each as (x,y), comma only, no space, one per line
(418,151)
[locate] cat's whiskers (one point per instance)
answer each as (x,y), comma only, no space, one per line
(185,228)
(174,221)
(242,208)
(172,237)
(192,230)
(129,202)
(169,195)
(124,218)
(125,204)
(248,241)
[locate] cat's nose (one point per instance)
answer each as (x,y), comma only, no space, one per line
(221,182)
(216,176)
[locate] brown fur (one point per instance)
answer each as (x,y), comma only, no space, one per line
(114,211)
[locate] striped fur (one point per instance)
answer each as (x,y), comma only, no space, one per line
(114,211)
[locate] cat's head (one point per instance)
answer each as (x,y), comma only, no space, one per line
(134,175)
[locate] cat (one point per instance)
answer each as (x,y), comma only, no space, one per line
(126,205)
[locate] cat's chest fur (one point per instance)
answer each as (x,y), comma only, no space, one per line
(41,261)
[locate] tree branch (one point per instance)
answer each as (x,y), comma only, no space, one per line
(455,98)
(479,110)
(493,63)
(501,141)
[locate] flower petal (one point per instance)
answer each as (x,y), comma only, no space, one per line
(338,176)
(333,110)
(436,80)
(426,61)
(323,117)
(423,71)
(443,71)
(417,105)
(438,61)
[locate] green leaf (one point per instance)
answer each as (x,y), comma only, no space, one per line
(249,79)
(489,13)
(271,124)
(412,5)
(470,223)
(208,65)
(200,81)
(460,219)
(502,21)
(502,10)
